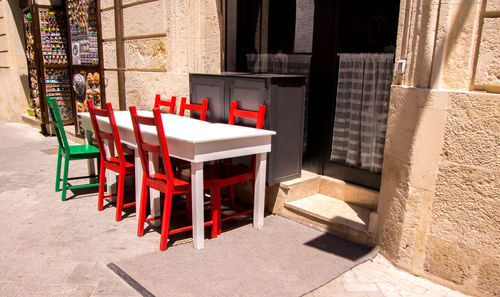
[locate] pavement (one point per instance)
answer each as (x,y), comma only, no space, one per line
(54,248)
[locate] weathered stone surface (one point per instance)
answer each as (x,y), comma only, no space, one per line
(391,207)
(108,24)
(130,1)
(3,44)
(361,196)
(3,60)
(197,46)
(144,19)
(473,130)
(109,54)
(141,87)
(446,260)
(146,54)
(111,79)
(464,230)
(422,48)
(487,76)
(427,147)
(457,52)
(401,123)
(436,210)
(3,26)
(304,189)
(489,274)
(492,5)
(210,57)
(210,26)
(332,187)
(467,208)
(107,3)
(14,87)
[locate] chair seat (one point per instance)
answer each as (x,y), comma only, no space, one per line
(113,163)
(178,182)
(83,151)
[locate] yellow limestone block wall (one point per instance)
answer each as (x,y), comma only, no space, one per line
(165,40)
(439,207)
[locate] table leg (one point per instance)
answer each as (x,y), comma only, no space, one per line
(259,191)
(154,201)
(90,162)
(197,204)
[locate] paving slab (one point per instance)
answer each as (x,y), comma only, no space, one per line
(55,248)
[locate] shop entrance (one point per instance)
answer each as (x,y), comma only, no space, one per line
(346,50)
(353,47)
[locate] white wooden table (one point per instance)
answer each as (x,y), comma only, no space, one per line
(197,142)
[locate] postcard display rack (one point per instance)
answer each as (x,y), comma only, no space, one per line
(86,50)
(68,70)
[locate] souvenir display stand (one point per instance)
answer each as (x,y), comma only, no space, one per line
(86,52)
(63,55)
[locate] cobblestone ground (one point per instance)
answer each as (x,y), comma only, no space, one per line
(54,248)
(379,278)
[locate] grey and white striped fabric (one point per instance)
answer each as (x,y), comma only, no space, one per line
(362,105)
(278,63)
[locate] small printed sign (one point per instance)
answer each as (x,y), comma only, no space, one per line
(75,52)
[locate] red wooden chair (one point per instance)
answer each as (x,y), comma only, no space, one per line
(165,182)
(228,173)
(115,164)
(202,108)
(258,116)
(170,104)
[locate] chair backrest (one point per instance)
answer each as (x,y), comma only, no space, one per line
(259,115)
(202,108)
(113,137)
(170,104)
(55,116)
(146,147)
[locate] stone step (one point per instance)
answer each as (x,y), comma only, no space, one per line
(350,193)
(334,211)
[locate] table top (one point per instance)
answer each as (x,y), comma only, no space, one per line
(192,139)
(187,129)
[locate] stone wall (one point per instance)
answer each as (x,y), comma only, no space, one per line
(14,89)
(439,207)
(164,40)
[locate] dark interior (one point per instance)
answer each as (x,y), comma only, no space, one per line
(340,26)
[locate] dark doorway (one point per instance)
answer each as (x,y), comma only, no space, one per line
(342,27)
(263,27)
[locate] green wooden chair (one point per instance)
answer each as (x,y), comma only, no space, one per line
(69,152)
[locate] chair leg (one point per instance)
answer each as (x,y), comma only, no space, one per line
(231,195)
(119,195)
(58,171)
(165,224)
(98,166)
(102,182)
(189,207)
(142,207)
(215,208)
(65,177)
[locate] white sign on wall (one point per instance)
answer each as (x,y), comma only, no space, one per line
(75,53)
(304,24)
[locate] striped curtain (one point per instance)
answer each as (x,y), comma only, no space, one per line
(362,105)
